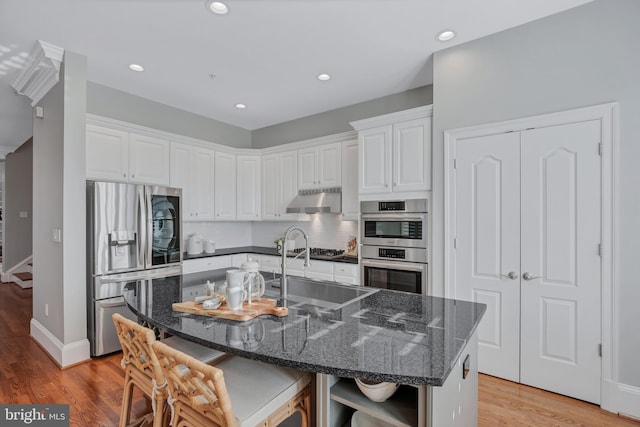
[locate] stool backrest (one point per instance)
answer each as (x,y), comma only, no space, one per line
(136,342)
(194,386)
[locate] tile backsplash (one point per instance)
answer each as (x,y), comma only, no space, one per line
(324,231)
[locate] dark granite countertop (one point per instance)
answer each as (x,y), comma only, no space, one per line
(263,250)
(385,336)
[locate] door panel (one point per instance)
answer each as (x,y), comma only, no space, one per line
(488,245)
(560,237)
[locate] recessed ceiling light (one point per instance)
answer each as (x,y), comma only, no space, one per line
(324,77)
(241,106)
(217,7)
(445,35)
(136,67)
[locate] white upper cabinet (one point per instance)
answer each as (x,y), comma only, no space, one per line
(149,160)
(248,188)
(375,160)
(192,171)
(350,205)
(117,155)
(107,154)
(279,185)
(320,167)
(412,155)
(395,153)
(225,186)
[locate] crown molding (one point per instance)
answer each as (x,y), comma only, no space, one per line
(391,118)
(41,71)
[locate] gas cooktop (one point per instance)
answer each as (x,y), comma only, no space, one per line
(320,253)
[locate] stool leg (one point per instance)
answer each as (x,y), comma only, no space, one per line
(127,396)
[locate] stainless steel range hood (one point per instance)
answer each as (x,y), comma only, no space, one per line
(324,200)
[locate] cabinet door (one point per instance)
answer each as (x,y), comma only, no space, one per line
(308,168)
(180,176)
(107,154)
(375,160)
(202,184)
(350,206)
(288,182)
(329,165)
(412,155)
(225,186)
(149,160)
(248,188)
(270,187)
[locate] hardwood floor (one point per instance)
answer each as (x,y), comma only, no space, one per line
(94,389)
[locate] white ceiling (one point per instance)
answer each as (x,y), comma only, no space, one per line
(263,53)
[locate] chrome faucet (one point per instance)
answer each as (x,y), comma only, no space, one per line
(307,263)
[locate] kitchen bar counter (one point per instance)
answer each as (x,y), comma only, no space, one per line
(385,336)
(263,250)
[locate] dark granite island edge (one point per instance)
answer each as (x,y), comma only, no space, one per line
(388,336)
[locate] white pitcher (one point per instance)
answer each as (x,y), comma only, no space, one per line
(255,284)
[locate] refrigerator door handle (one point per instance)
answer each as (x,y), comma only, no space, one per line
(149,223)
(142,228)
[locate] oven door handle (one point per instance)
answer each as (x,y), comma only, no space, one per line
(394,217)
(407,266)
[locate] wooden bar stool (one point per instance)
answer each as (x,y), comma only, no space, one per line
(235,392)
(142,369)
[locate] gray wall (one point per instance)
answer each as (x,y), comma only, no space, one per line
(59,203)
(336,121)
(584,56)
(17,198)
(108,102)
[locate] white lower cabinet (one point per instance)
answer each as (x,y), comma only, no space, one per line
(346,273)
(319,270)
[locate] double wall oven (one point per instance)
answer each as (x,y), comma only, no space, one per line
(394,236)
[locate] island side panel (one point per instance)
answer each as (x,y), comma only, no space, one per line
(455,404)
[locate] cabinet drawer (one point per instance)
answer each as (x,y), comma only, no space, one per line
(343,269)
(318,276)
(206,264)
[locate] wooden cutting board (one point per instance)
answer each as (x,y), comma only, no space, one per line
(248,311)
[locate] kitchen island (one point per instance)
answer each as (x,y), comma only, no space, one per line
(428,344)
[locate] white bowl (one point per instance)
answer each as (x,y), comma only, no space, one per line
(376,391)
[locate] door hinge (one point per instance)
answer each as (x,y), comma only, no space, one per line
(599,149)
(455,163)
(600,249)
(455,243)
(600,350)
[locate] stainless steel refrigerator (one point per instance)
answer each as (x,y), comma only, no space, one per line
(134,232)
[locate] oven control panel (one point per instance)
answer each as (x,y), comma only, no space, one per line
(392,253)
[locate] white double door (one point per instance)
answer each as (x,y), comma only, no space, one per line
(527,245)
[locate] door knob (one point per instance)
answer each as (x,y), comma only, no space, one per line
(529,276)
(512,275)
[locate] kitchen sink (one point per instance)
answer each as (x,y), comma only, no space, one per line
(329,295)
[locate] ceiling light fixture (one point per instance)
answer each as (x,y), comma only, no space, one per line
(217,7)
(136,67)
(241,106)
(324,77)
(445,35)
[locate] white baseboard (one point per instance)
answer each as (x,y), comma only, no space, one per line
(63,354)
(621,398)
